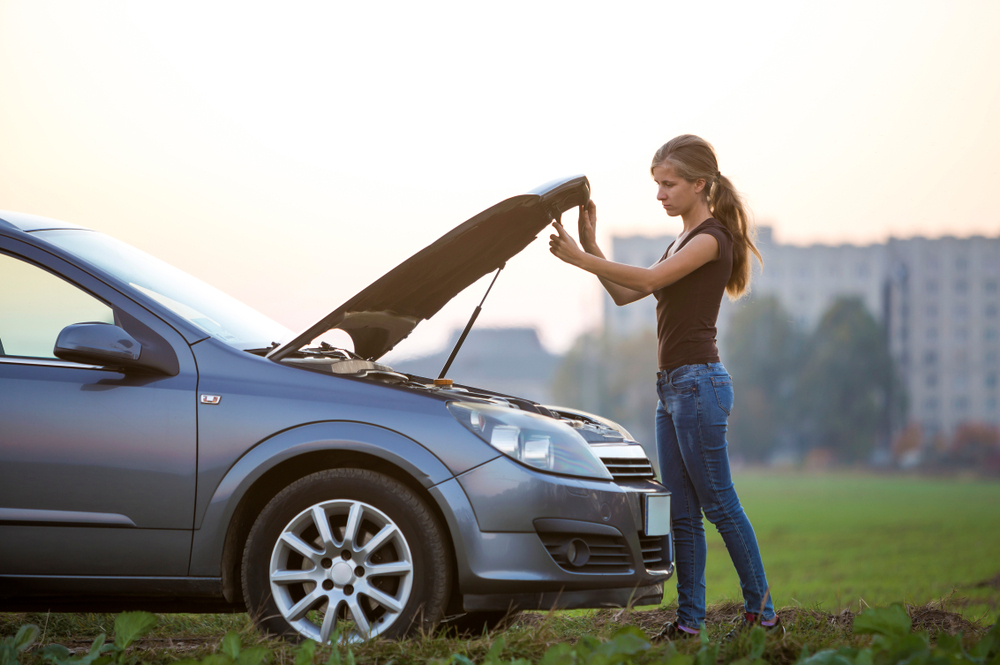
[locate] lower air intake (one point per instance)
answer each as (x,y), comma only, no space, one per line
(588,553)
(585,547)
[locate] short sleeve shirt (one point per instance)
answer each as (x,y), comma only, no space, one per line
(687,310)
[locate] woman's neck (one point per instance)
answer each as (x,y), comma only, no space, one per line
(695,216)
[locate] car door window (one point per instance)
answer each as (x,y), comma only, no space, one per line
(35,306)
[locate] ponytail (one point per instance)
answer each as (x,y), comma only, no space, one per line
(728,207)
(693,158)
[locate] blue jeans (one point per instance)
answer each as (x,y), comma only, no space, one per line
(691,423)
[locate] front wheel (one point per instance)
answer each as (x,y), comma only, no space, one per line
(346,545)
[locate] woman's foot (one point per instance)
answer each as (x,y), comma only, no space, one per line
(675,631)
(771,626)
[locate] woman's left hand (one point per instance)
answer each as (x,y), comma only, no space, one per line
(562,245)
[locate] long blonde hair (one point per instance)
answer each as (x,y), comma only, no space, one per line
(693,158)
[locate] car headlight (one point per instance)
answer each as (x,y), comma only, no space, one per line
(532,439)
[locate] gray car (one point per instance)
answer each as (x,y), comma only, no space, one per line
(163,446)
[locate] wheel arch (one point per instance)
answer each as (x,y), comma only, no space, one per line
(284,458)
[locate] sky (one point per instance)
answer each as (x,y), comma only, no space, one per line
(292,153)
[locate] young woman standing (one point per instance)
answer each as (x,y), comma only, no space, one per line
(711,256)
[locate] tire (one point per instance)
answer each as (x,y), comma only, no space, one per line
(346,545)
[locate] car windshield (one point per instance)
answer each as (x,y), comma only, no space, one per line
(211,310)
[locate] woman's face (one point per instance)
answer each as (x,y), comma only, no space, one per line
(675,194)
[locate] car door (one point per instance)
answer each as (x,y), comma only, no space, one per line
(97,467)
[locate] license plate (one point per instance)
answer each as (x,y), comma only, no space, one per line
(657,514)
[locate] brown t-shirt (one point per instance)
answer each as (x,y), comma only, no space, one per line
(686,311)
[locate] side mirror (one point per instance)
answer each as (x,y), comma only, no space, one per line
(97,344)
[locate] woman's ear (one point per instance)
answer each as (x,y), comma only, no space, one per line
(699,185)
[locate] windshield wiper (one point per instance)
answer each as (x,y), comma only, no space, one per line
(324,350)
(262,351)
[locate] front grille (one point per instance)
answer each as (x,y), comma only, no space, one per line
(608,554)
(652,551)
(628,468)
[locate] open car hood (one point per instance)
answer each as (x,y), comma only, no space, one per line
(389,309)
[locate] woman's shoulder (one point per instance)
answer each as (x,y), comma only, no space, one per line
(714,227)
(712,223)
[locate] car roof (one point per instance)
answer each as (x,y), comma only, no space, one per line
(22,222)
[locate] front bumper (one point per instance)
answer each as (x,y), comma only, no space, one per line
(518,537)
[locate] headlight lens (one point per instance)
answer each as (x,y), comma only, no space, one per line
(532,439)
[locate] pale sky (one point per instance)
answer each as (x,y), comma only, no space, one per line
(291,153)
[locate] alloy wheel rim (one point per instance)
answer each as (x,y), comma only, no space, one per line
(341,560)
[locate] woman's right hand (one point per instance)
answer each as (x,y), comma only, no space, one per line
(588,227)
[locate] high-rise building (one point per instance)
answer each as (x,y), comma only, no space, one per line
(807,280)
(943,304)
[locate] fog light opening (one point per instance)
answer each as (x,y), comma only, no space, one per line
(577,553)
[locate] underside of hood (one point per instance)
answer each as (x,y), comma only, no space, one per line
(387,311)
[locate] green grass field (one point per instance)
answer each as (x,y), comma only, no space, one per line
(833,541)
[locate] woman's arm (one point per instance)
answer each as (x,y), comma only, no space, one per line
(621,295)
(697,252)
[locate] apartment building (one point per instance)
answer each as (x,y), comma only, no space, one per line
(943,305)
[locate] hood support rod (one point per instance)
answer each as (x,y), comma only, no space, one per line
(468,326)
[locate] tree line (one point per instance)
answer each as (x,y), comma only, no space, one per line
(831,393)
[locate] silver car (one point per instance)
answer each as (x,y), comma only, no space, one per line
(165,447)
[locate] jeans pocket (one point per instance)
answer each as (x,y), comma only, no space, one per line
(723,386)
(685,386)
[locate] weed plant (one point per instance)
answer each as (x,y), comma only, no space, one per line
(877,636)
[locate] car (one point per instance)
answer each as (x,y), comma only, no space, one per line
(165,447)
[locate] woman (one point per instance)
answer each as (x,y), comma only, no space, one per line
(710,256)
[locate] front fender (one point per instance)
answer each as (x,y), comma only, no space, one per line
(403,452)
